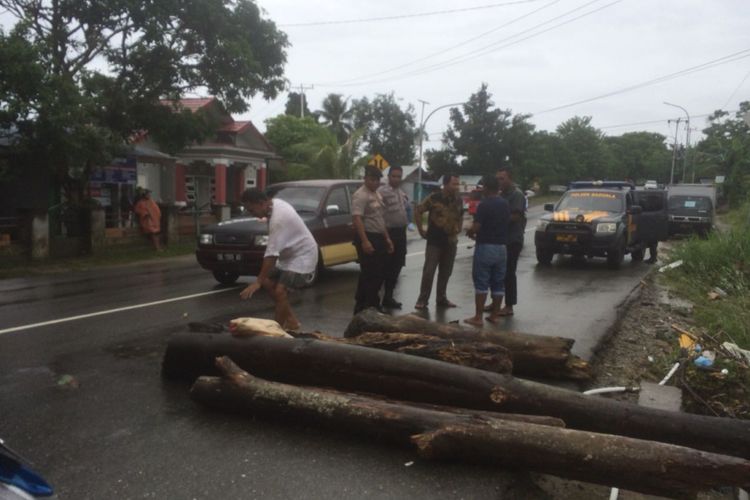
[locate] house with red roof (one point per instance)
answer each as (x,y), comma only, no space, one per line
(216,172)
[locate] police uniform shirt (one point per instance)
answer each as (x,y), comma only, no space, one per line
(369,206)
(394,200)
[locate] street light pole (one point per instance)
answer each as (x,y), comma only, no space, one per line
(674,149)
(687,138)
(421,135)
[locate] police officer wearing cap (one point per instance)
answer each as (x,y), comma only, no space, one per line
(371,240)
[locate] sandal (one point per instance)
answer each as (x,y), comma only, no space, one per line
(446,303)
(420,306)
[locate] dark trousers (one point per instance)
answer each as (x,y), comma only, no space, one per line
(396,260)
(511,284)
(371,272)
(438,258)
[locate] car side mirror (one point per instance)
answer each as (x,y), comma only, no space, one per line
(635,210)
(332,210)
(549,207)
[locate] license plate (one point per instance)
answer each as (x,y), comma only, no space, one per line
(228,256)
(566,238)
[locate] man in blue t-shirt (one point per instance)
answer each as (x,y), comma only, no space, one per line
(490,230)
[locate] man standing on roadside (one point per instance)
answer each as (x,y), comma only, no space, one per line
(395,202)
(291,254)
(490,230)
(517,203)
(371,239)
(445,222)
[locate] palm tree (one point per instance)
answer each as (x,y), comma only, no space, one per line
(326,158)
(337,116)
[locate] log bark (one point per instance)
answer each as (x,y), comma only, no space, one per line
(475,354)
(532,355)
(481,436)
(411,378)
(633,464)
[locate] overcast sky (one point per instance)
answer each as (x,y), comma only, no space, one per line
(590,48)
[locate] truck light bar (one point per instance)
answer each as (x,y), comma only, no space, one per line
(601,184)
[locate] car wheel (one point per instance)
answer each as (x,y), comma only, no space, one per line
(226,278)
(637,255)
(544,256)
(615,257)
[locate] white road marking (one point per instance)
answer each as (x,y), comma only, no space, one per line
(111,311)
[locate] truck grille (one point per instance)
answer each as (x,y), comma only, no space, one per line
(238,239)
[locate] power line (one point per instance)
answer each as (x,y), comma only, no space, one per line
(405,16)
(492,47)
(650,122)
(443,51)
(700,67)
(736,90)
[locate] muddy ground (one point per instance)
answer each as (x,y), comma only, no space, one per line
(641,347)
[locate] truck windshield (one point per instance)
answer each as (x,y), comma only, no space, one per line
(586,201)
(697,203)
(302,198)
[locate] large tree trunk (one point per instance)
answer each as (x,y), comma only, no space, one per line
(412,378)
(638,465)
(475,354)
(532,355)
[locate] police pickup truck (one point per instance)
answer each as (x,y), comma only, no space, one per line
(602,219)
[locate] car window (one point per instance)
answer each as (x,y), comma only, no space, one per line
(302,198)
(339,198)
(591,201)
(689,202)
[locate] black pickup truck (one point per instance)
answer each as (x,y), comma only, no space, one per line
(602,219)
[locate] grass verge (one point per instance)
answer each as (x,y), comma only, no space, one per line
(18,266)
(715,278)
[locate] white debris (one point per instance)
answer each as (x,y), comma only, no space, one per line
(673,265)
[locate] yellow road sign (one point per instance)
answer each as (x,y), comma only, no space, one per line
(378,161)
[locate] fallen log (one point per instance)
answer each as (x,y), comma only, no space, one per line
(475,354)
(532,355)
(361,369)
(634,464)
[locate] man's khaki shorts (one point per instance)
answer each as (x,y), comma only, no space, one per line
(290,279)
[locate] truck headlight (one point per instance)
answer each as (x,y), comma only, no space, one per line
(606,227)
(206,239)
(542,225)
(261,240)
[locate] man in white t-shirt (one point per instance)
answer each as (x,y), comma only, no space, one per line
(291,254)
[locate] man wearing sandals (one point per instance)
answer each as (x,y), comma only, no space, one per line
(445,222)
(490,230)
(291,254)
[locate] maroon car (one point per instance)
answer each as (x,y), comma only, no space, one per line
(235,247)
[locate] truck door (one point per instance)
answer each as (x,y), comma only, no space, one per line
(653,219)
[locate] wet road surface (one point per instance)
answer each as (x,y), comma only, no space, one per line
(119,431)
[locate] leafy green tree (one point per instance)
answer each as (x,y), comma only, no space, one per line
(310,150)
(725,150)
(70,114)
(542,163)
(639,156)
(336,115)
(387,129)
(476,133)
(441,162)
(294,104)
(582,152)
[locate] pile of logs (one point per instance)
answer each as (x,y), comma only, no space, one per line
(463,403)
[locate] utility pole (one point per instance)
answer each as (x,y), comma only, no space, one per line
(421,138)
(687,138)
(674,149)
(302,89)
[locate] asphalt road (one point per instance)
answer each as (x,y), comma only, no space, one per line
(81,394)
